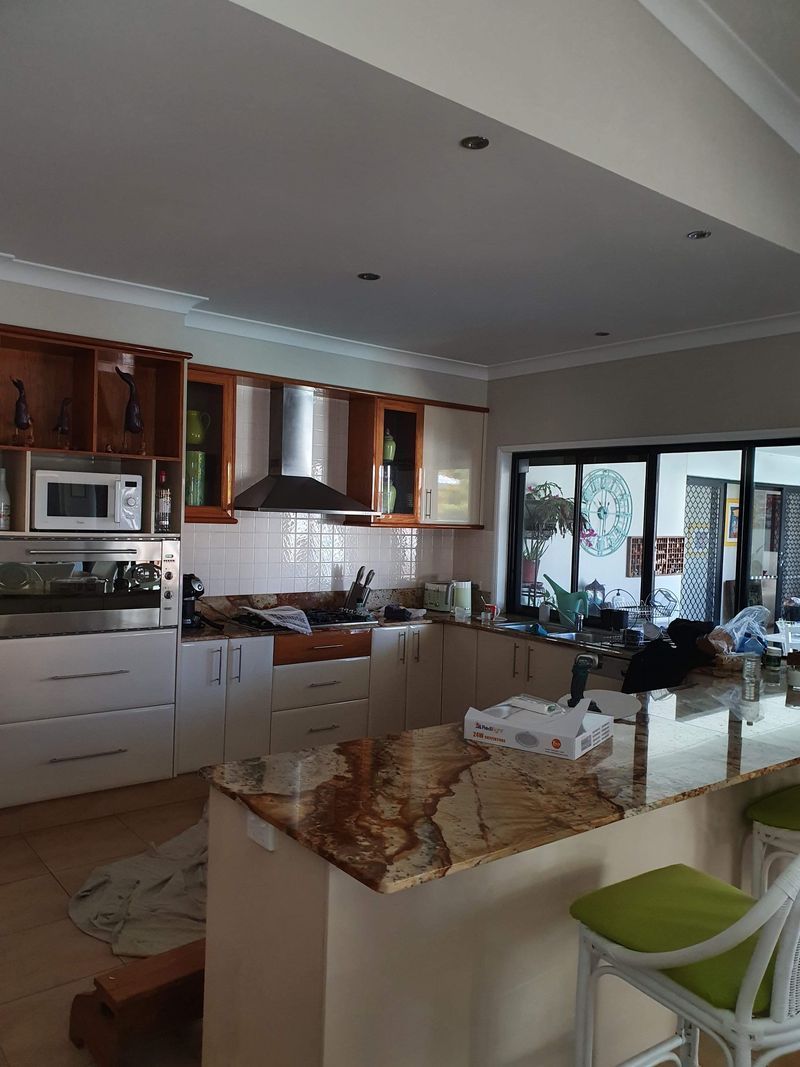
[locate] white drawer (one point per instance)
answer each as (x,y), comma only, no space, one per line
(44,677)
(304,685)
(326,725)
(81,753)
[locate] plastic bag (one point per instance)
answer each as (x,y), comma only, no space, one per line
(746,632)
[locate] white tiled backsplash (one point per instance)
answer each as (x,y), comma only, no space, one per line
(288,553)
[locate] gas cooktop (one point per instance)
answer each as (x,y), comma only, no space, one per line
(317,619)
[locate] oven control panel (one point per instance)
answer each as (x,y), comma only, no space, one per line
(170,583)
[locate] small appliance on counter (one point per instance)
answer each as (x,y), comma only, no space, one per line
(447,596)
(193,589)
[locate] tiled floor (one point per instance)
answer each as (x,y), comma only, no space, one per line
(46,852)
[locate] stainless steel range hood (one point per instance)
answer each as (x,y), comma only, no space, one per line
(289,485)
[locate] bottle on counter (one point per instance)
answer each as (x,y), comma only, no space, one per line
(5,502)
(751,677)
(793,679)
(771,663)
(163,504)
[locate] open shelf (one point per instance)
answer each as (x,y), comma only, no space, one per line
(159,385)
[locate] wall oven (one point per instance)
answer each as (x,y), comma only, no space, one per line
(52,585)
(82,501)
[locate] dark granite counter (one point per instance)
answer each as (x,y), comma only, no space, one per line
(399,811)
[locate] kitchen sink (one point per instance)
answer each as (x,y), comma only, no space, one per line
(554,630)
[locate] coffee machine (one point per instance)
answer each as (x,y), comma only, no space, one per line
(193,589)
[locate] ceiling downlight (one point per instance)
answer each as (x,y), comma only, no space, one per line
(368,276)
(698,235)
(475,142)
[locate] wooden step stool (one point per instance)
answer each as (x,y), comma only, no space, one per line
(151,994)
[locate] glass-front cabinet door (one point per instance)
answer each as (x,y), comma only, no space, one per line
(399,454)
(210,430)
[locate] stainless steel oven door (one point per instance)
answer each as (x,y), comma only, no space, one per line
(51,585)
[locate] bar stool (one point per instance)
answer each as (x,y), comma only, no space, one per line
(776,832)
(724,962)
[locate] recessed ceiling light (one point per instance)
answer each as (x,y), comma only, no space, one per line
(475,142)
(368,276)
(698,235)
(602,333)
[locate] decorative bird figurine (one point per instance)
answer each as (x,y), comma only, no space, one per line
(63,426)
(133,414)
(23,423)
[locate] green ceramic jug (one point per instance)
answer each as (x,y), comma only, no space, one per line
(389,447)
(197,424)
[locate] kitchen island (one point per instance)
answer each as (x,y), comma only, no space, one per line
(357,917)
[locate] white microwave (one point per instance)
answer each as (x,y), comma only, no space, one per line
(73,500)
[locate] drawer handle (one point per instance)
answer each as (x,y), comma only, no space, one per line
(321,685)
(88,755)
(94,674)
(323,729)
(316,648)
(81,552)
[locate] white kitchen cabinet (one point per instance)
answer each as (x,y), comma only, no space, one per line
(387,680)
(327,724)
(424,676)
(452,466)
(200,728)
(553,671)
(405,690)
(248,697)
(459,663)
(505,668)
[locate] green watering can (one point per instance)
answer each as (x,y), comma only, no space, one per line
(569,604)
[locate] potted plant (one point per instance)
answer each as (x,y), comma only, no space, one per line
(546,512)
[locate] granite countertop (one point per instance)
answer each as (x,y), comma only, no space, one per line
(398,811)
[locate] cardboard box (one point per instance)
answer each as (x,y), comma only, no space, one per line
(532,725)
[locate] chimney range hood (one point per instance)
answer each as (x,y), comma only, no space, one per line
(289,485)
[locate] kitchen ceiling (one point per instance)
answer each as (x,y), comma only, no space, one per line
(193,145)
(771,28)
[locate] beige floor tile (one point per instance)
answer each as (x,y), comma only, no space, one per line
(94,841)
(47,956)
(711,1055)
(18,860)
(72,878)
(156,825)
(34,1031)
(31,902)
(65,810)
(179,1049)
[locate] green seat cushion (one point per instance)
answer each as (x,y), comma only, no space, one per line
(781,810)
(671,908)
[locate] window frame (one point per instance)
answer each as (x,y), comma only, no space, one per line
(649,454)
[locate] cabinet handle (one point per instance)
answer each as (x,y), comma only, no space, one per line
(218,679)
(416,654)
(316,648)
(88,755)
(93,674)
(321,685)
(380,489)
(428,503)
(323,729)
(514,661)
(402,646)
(528,664)
(238,676)
(81,553)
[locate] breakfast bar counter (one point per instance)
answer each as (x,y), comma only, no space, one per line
(315,954)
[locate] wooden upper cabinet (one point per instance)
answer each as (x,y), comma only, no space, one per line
(384,459)
(210,441)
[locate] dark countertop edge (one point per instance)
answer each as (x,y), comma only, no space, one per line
(233,631)
(438,873)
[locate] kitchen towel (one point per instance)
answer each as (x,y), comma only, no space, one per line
(288,618)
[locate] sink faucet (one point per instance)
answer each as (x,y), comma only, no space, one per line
(584,662)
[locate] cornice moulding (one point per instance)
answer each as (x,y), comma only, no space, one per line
(728,333)
(339,346)
(70,281)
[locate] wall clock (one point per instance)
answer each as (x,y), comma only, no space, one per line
(607,503)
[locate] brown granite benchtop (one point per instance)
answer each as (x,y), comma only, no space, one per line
(398,811)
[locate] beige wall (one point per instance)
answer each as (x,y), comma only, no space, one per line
(24,305)
(605,81)
(746,388)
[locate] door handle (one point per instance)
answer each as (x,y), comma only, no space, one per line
(79,553)
(528,664)
(402,640)
(93,674)
(87,755)
(428,503)
(416,654)
(514,661)
(321,685)
(323,729)
(218,679)
(238,676)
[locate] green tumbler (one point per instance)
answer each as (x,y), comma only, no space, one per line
(195,478)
